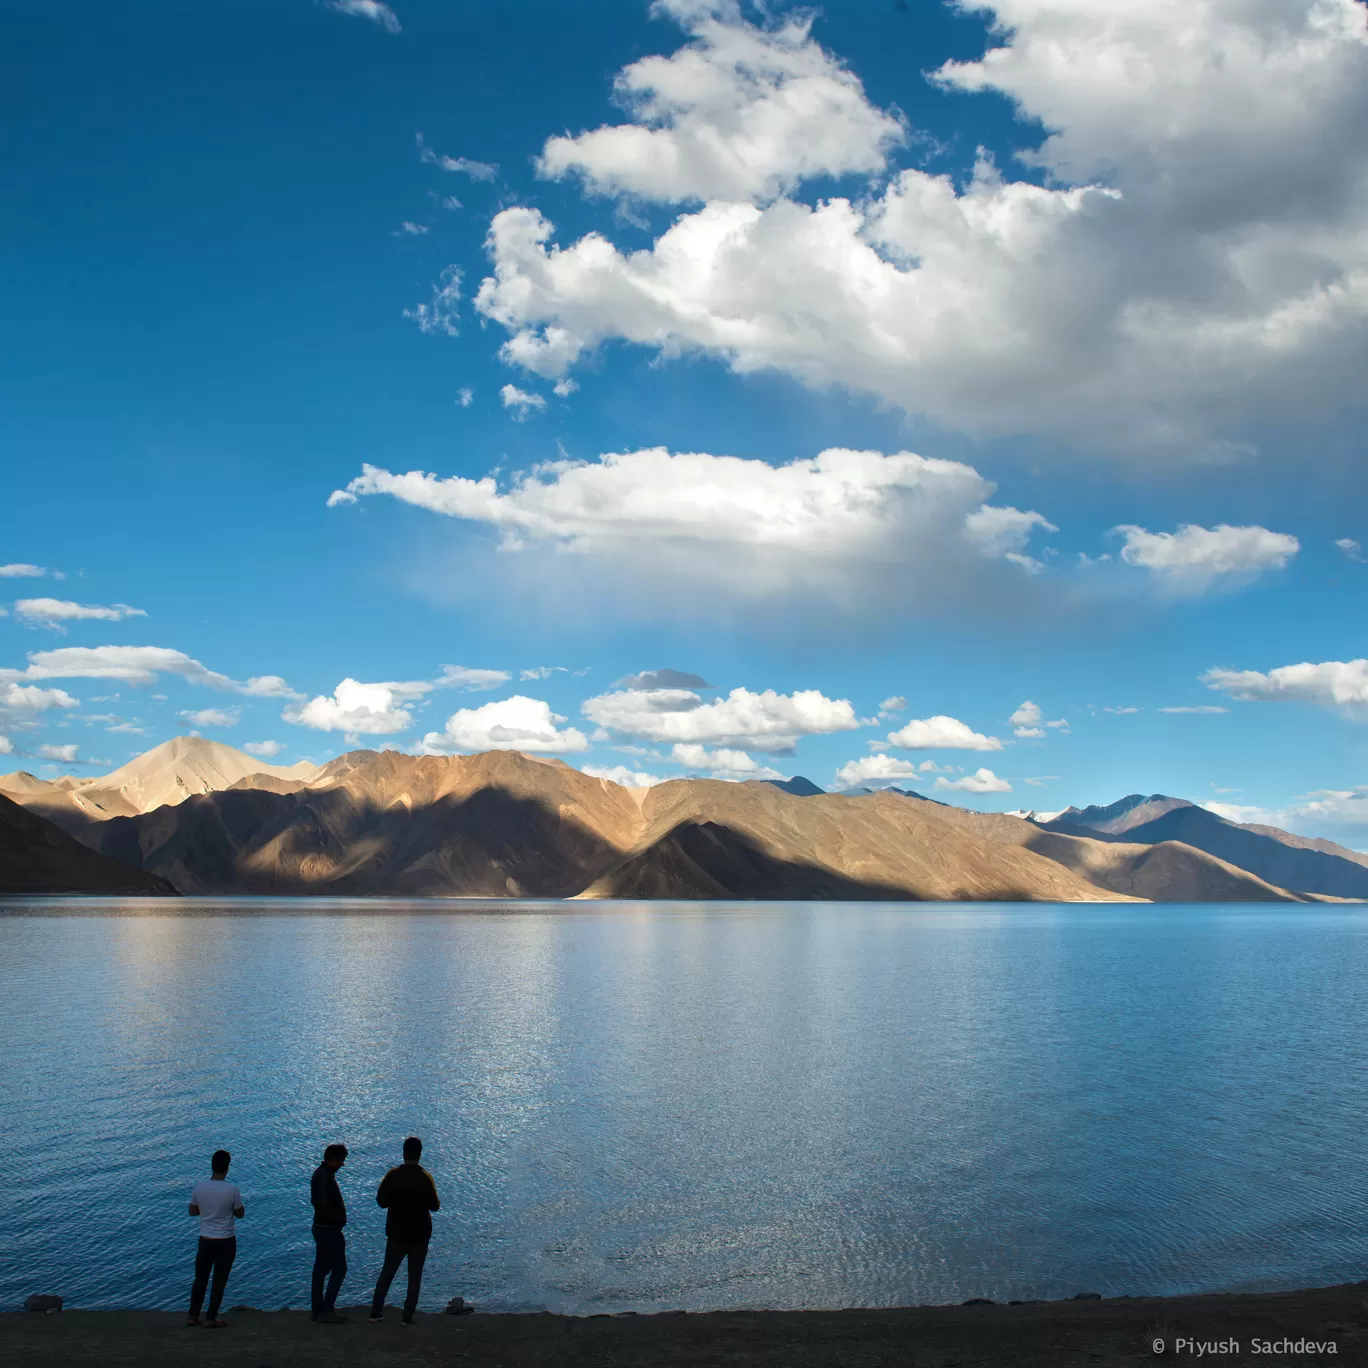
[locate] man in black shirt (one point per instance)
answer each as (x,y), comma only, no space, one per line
(410,1196)
(330,1244)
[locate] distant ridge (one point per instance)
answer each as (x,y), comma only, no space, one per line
(163,776)
(798,786)
(1275,856)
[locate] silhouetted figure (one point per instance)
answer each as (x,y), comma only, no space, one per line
(217,1203)
(330,1244)
(410,1196)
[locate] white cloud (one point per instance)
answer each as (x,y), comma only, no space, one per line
(1192,261)
(895,704)
(1027,715)
(541,672)
(521,401)
(476,170)
(874,771)
(981,781)
(620,774)
(941,733)
(721,763)
(563,389)
(1336,814)
(738,114)
(470,680)
(21,570)
(517,723)
(860,528)
(50,612)
(25,700)
(410,229)
(267,750)
(1191,558)
(373,10)
(1121,712)
(1206,709)
(54,613)
(139,665)
(211,717)
(440,314)
(1350,547)
(66,754)
(769,722)
(465,396)
(6,746)
(358,709)
(1337,683)
(663,679)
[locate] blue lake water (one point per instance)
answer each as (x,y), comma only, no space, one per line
(651,1106)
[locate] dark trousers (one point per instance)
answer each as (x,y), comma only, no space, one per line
(214,1256)
(330,1256)
(396,1251)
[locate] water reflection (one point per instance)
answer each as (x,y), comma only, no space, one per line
(635,1106)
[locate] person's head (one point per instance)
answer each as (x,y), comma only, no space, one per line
(335,1156)
(413,1150)
(219,1163)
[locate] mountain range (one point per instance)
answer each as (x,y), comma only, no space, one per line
(196,817)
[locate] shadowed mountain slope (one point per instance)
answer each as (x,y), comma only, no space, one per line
(1287,866)
(38,857)
(493,825)
(1166,872)
(707,839)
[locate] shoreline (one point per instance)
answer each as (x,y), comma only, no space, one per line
(1314,1325)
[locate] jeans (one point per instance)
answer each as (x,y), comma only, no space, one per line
(330,1246)
(218,1256)
(396,1251)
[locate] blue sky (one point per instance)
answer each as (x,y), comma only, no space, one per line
(1111,275)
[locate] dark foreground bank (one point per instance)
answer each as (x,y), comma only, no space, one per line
(1326,1325)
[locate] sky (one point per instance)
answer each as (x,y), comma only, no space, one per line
(967,399)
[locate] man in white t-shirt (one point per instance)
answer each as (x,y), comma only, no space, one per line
(218,1204)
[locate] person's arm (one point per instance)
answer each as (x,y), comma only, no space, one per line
(434,1203)
(194,1210)
(382,1195)
(239,1210)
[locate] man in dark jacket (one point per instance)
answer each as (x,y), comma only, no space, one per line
(330,1244)
(410,1196)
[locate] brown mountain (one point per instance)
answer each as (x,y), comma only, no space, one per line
(165,775)
(1278,857)
(1168,871)
(503,824)
(37,857)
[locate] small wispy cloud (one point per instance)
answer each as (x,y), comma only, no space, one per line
(520,401)
(373,10)
(440,313)
(466,166)
(410,229)
(1350,547)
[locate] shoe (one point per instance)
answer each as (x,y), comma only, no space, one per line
(330,1318)
(215,1324)
(193,1323)
(406,1320)
(373,1318)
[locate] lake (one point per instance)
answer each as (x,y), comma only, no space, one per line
(653,1106)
